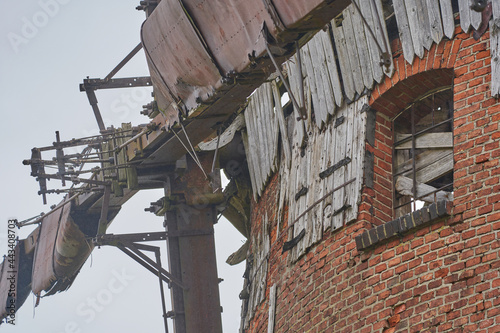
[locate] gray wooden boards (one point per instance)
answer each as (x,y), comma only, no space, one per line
(358,53)
(468,17)
(333,156)
(257,274)
(422,22)
(261,137)
(495,49)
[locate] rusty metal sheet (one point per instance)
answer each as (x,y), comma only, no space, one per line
(177,55)
(43,271)
(307,14)
(71,248)
(169,63)
(292,11)
(60,252)
(232,29)
(20,273)
(5,286)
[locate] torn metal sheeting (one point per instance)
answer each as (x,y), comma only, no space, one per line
(60,252)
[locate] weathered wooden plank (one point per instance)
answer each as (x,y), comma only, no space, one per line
(389,71)
(405,33)
(425,25)
(292,181)
(436,27)
(447,18)
(315,217)
(287,150)
(324,147)
(413,13)
(324,74)
(464,10)
(495,6)
(258,273)
(226,137)
(258,152)
(352,51)
(314,82)
(262,126)
(295,81)
(367,11)
(404,185)
(250,161)
(476,18)
(427,140)
(341,133)
(284,181)
(350,191)
(330,148)
(310,196)
(348,169)
(357,163)
(274,125)
(300,204)
(272,309)
(335,85)
(430,167)
(405,163)
(237,257)
(345,65)
(251,149)
(267,111)
(362,47)
(495,52)
(436,169)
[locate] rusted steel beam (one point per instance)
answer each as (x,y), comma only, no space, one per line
(192,258)
(123,62)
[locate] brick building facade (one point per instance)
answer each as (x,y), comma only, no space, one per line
(436,269)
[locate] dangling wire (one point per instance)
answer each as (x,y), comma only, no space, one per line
(193,153)
(191,145)
(216,150)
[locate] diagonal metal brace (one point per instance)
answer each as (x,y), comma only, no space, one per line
(301,110)
(133,252)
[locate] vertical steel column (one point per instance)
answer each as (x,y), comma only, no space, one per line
(192,258)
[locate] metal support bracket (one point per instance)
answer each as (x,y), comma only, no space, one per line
(301,109)
(90,85)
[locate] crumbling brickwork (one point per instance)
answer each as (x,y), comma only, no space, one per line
(439,276)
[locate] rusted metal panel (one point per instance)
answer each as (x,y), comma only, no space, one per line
(16,271)
(60,252)
(307,14)
(43,272)
(71,248)
(231,39)
(176,67)
(177,56)
(292,11)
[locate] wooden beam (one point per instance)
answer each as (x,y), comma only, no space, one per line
(404,186)
(272,309)
(427,140)
(430,165)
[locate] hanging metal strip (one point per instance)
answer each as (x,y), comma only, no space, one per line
(301,110)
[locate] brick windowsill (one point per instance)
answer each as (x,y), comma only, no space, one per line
(403,224)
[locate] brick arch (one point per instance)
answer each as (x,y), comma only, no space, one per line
(436,69)
(399,96)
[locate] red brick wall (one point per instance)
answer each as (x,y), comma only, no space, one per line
(443,277)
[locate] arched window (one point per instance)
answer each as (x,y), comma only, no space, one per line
(423,152)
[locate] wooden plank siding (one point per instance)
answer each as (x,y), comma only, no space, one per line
(257,275)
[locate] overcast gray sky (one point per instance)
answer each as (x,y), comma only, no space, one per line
(47,47)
